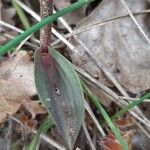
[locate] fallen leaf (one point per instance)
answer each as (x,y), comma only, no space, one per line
(5,109)
(23,118)
(118,45)
(124,123)
(16,84)
(28,122)
(34,108)
(111,143)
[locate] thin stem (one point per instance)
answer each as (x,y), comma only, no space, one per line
(41,24)
(1,28)
(0,9)
(45,32)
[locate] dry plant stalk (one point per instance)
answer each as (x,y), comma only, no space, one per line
(45,32)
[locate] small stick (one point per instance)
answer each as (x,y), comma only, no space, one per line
(1,29)
(0,9)
(135,21)
(9,135)
(45,32)
(88,137)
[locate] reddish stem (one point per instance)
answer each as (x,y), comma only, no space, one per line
(45,32)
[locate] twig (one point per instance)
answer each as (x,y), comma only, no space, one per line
(16,29)
(87,107)
(23,136)
(88,137)
(26,43)
(52,142)
(133,99)
(58,35)
(11,26)
(0,9)
(9,135)
(135,21)
(66,25)
(1,28)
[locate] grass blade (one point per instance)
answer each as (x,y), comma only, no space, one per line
(45,126)
(96,102)
(130,106)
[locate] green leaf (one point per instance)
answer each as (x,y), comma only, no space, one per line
(60,90)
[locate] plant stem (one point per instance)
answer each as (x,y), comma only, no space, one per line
(41,24)
(45,32)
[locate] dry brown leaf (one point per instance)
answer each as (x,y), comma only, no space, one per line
(17,85)
(119,45)
(28,122)
(34,108)
(111,143)
(125,123)
(5,108)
